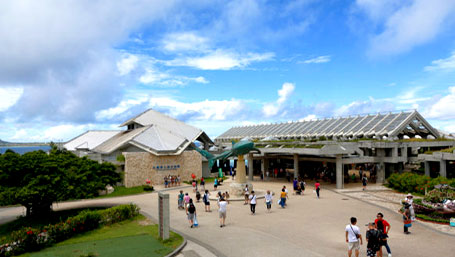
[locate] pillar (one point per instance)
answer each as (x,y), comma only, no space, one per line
(250,167)
(296,165)
(427,168)
(163,215)
(339,171)
(443,168)
(380,174)
(240,176)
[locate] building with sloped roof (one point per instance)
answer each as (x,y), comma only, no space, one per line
(335,148)
(152,145)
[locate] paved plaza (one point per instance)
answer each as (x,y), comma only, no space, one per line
(307,227)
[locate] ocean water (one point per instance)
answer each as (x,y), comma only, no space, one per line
(24,149)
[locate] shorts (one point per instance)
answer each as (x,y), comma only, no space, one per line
(269,205)
(246,196)
(207,203)
(222,214)
(190,216)
(371,252)
(354,245)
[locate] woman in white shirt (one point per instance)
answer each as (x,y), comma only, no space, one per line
(222,204)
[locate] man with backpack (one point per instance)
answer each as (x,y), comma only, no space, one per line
(372,236)
(353,237)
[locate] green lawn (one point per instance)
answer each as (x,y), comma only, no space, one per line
(128,238)
(123,191)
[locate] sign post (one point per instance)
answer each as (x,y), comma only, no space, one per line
(163,215)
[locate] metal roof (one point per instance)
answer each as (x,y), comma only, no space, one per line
(90,139)
(366,126)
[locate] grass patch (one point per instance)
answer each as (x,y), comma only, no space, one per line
(133,237)
(123,191)
(37,222)
(435,218)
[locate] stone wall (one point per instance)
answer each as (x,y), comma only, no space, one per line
(140,166)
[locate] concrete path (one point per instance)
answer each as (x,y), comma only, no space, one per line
(307,227)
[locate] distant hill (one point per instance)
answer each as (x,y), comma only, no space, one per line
(3,142)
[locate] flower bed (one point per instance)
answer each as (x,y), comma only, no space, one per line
(31,239)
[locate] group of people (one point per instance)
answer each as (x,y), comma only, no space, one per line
(376,236)
(170,181)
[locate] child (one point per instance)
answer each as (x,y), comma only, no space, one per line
(198,196)
(194,185)
(268,200)
(215,184)
(373,239)
(180,201)
(186,199)
(246,192)
(191,212)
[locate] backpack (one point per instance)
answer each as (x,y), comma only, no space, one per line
(204,198)
(191,208)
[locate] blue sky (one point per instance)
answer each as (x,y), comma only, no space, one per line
(70,66)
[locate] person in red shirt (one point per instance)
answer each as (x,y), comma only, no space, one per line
(384,227)
(318,188)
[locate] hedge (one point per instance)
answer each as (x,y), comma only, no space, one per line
(414,183)
(32,239)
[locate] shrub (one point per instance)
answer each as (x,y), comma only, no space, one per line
(414,183)
(31,239)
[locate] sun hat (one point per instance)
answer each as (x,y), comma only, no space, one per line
(409,195)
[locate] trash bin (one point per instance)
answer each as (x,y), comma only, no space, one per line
(452,222)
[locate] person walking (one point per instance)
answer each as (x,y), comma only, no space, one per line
(215,184)
(295,184)
(302,186)
(353,237)
(283,196)
(268,200)
(317,186)
(252,199)
(246,193)
(364,181)
(407,222)
(373,240)
(194,184)
(186,200)
(191,213)
(202,184)
(206,200)
(222,205)
(180,199)
(384,227)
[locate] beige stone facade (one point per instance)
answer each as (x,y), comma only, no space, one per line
(140,166)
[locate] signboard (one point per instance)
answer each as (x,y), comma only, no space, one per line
(163,215)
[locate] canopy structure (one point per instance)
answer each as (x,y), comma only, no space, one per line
(380,126)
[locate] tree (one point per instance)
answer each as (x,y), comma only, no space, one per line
(37,179)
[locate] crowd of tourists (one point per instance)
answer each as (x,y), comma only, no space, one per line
(171,181)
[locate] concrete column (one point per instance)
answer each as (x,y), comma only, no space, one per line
(395,152)
(250,167)
(380,174)
(339,171)
(427,168)
(240,176)
(296,165)
(443,168)
(163,215)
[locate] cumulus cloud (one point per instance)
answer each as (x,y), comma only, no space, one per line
(406,24)
(447,64)
(185,42)
(62,54)
(153,76)
(319,59)
(9,96)
(127,64)
(272,109)
(443,108)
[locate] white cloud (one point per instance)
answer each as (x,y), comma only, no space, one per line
(447,64)
(308,117)
(203,110)
(443,108)
(220,60)
(59,133)
(9,96)
(319,59)
(272,109)
(122,107)
(155,77)
(184,42)
(406,24)
(127,64)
